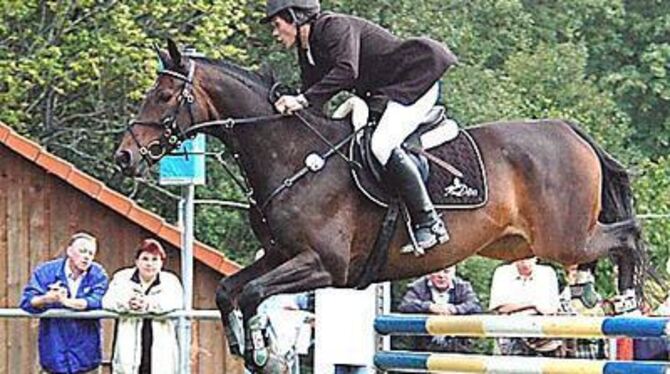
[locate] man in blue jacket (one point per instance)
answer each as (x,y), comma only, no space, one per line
(68,346)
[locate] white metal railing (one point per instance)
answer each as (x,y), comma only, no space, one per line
(68,313)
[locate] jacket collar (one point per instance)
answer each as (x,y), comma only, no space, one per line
(62,275)
(67,272)
(136,278)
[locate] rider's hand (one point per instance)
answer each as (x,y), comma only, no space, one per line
(288,104)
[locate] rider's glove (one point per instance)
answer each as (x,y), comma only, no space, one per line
(288,104)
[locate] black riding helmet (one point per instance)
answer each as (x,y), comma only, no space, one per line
(307,8)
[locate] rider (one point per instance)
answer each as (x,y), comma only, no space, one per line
(398,78)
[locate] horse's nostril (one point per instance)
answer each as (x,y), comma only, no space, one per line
(123,158)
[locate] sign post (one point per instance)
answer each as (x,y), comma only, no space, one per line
(185,167)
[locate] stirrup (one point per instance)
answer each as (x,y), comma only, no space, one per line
(432,235)
(439,230)
(413,246)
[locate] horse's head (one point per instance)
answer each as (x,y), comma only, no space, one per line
(172,105)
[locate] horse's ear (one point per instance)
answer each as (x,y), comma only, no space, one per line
(175,55)
(162,57)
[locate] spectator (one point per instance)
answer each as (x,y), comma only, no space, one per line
(528,288)
(68,345)
(441,292)
(579,297)
(654,349)
(144,345)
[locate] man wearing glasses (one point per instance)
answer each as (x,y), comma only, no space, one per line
(76,282)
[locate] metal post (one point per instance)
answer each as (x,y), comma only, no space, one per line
(186,223)
(383,306)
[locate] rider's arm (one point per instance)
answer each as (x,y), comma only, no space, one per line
(342,44)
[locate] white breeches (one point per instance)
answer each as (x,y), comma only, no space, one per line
(398,122)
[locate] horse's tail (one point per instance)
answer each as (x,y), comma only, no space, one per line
(617,206)
(616,194)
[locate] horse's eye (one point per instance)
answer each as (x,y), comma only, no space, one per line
(164,96)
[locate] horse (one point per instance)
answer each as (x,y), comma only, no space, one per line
(553,192)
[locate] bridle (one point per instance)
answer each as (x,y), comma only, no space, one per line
(172,134)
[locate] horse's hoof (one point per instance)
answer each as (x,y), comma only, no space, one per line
(260,357)
(271,362)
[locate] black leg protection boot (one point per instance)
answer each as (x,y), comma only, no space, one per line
(403,173)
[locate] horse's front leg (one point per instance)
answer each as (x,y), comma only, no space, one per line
(228,291)
(301,273)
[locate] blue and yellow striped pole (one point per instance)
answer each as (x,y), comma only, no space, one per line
(462,363)
(522,326)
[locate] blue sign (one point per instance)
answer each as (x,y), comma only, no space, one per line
(185,165)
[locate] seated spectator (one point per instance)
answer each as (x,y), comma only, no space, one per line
(579,297)
(528,288)
(145,346)
(444,293)
(654,349)
(68,345)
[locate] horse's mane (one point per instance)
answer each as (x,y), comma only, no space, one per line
(260,83)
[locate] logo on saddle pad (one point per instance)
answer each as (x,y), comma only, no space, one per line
(460,189)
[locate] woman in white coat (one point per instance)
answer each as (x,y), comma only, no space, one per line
(145,346)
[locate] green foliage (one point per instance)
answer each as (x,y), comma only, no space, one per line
(653,197)
(72,75)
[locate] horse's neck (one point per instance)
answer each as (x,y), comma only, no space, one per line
(270,151)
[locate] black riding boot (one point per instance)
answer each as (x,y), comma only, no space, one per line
(403,173)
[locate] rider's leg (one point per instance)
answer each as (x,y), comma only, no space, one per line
(396,124)
(403,173)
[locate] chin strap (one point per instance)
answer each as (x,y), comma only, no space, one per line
(298,39)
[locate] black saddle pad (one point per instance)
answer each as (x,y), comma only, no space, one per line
(446,190)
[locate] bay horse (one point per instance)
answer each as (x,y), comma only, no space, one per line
(553,192)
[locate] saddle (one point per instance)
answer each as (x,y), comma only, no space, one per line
(454,173)
(447,157)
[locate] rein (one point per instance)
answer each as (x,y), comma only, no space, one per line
(318,161)
(173,135)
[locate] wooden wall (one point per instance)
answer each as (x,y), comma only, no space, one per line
(38,213)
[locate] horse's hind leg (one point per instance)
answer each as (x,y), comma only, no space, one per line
(621,241)
(229,289)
